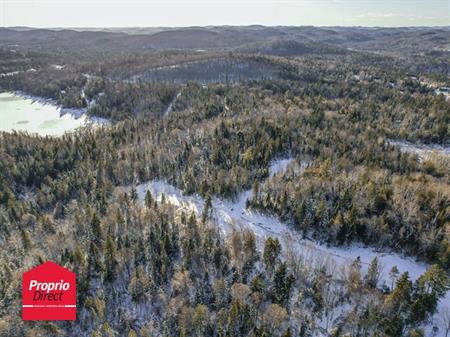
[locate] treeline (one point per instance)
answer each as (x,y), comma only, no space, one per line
(100,96)
(12,60)
(49,83)
(121,100)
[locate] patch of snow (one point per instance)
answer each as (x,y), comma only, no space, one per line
(98,121)
(76,113)
(279,166)
(422,150)
(11,73)
(57,66)
(170,106)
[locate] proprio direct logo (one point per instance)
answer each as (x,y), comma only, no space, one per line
(49,293)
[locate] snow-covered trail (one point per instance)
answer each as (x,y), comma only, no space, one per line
(422,150)
(170,106)
(231,215)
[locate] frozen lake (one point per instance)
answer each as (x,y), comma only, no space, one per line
(38,116)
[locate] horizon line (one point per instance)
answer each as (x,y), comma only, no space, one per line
(224,25)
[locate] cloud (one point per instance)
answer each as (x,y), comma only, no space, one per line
(379,15)
(376,16)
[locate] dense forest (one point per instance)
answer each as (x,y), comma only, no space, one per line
(210,123)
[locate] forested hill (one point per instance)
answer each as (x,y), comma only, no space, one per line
(366,135)
(398,40)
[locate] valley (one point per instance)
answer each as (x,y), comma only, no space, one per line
(228,180)
(231,216)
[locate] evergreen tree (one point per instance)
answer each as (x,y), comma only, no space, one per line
(272,250)
(393,274)
(207,209)
(148,199)
(281,285)
(97,231)
(373,274)
(110,259)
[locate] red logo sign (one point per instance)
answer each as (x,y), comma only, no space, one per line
(49,293)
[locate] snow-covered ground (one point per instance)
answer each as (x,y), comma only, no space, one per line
(57,66)
(12,73)
(234,215)
(422,150)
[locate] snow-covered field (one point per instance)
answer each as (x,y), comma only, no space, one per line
(233,215)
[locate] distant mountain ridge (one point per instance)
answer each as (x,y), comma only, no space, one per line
(409,39)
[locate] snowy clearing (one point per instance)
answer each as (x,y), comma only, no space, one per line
(423,151)
(230,215)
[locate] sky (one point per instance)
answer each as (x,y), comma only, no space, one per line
(182,13)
